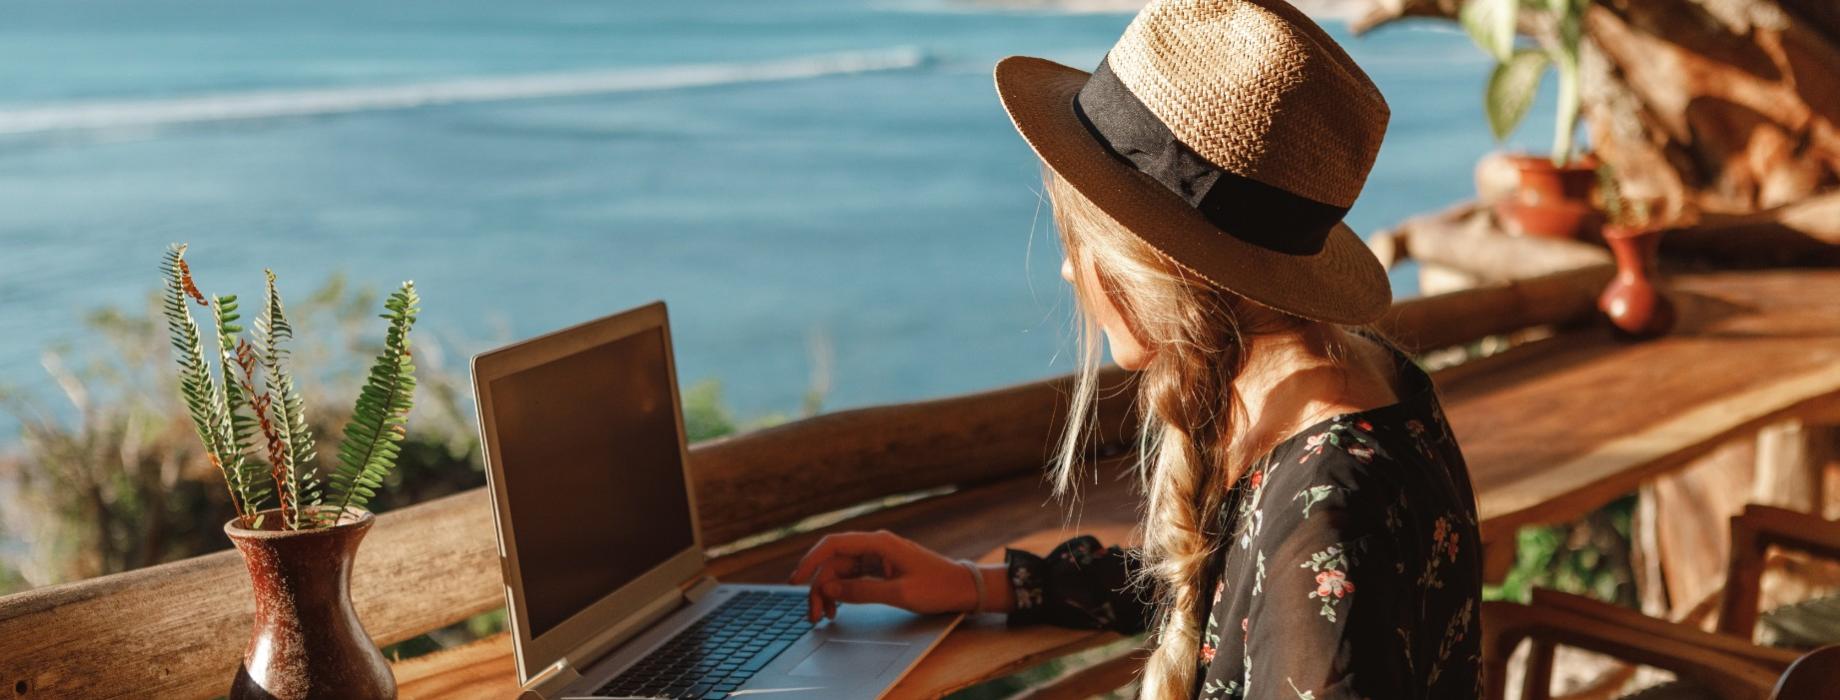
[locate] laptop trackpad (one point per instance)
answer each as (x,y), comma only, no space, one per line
(850,657)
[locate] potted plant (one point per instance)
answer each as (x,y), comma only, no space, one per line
(298,532)
(1549,196)
(1632,301)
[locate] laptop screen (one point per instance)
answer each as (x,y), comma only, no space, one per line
(593,474)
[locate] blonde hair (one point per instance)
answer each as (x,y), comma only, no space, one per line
(1195,333)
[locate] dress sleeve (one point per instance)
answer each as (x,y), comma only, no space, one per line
(1081,584)
(1324,621)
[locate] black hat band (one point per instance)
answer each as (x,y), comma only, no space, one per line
(1263,215)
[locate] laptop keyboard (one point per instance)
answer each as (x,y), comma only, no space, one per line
(718,653)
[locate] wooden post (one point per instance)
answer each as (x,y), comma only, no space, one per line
(1791,459)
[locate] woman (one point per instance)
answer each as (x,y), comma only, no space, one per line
(1309,529)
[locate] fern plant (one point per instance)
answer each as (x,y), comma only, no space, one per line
(253,393)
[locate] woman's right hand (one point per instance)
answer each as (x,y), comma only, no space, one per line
(882,567)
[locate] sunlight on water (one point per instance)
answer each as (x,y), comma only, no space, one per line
(773,170)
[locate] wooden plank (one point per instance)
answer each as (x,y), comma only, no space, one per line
(774,477)
(1465,239)
(481,670)
(1792,458)
(433,564)
(984,647)
(178,630)
(1551,430)
(974,523)
(1561,426)
(1461,316)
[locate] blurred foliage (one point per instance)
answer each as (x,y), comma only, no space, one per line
(1590,557)
(112,478)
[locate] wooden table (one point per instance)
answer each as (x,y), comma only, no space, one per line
(1551,430)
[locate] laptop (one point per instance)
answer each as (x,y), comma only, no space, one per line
(604,565)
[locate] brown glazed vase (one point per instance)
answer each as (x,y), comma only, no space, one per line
(1550,200)
(1632,301)
(307,641)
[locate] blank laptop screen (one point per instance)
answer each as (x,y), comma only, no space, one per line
(593,474)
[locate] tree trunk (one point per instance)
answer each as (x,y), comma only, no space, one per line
(1716,106)
(1721,105)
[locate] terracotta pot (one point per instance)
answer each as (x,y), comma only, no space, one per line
(1550,200)
(307,642)
(1632,301)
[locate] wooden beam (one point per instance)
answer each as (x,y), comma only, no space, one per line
(1466,239)
(777,476)
(1791,461)
(1606,471)
(1453,318)
(178,630)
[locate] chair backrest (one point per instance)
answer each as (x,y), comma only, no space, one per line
(1815,675)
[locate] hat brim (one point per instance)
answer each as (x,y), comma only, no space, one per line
(1343,283)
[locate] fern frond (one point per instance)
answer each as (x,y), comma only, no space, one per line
(258,402)
(299,485)
(234,426)
(196,386)
(374,435)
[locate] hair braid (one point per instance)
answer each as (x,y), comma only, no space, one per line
(1190,412)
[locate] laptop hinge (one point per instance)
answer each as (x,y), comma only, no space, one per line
(591,651)
(550,681)
(699,588)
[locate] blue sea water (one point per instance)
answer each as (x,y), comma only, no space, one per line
(892,212)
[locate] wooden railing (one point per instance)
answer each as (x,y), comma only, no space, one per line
(177,630)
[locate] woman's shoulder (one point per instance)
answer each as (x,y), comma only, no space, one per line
(1350,449)
(1340,466)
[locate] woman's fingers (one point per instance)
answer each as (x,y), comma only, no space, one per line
(883,545)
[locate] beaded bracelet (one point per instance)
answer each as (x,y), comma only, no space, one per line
(977,578)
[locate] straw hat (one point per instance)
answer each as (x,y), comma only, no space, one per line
(1232,135)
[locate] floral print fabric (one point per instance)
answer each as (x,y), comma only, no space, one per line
(1347,567)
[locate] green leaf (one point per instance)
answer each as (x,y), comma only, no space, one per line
(300,485)
(1491,24)
(379,420)
(234,425)
(1512,87)
(196,385)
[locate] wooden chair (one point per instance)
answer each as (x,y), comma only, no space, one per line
(1815,675)
(1726,663)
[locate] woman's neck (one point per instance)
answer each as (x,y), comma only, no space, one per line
(1296,378)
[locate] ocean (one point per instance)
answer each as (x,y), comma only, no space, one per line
(786,175)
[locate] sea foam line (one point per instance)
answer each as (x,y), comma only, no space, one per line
(292,103)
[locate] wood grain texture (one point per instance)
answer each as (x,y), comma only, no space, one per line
(1706,104)
(1557,427)
(974,523)
(1465,238)
(1551,430)
(1558,619)
(777,476)
(1461,316)
(481,670)
(178,630)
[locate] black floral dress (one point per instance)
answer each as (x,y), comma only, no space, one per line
(1347,565)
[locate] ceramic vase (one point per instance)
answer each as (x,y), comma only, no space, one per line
(1633,301)
(307,641)
(1549,200)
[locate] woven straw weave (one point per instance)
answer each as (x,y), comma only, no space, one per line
(1258,89)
